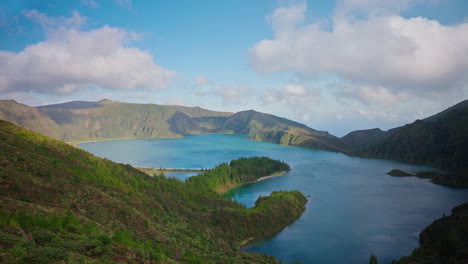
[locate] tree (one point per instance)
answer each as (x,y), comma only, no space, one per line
(373,259)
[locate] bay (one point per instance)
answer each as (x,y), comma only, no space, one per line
(354,208)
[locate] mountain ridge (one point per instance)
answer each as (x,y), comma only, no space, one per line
(440,140)
(81,121)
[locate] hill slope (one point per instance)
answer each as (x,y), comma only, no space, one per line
(444,241)
(440,140)
(59,204)
(442,143)
(80,121)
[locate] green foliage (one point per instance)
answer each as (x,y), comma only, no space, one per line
(444,241)
(122,237)
(373,259)
(81,121)
(441,142)
(242,170)
(83,209)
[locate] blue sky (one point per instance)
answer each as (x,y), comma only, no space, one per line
(333,65)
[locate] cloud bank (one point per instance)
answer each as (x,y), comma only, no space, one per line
(70,59)
(378,56)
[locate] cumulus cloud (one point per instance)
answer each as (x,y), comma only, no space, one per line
(387,57)
(378,95)
(294,97)
(71,59)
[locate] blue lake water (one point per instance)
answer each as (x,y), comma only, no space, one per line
(354,208)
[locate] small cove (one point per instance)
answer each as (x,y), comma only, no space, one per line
(354,208)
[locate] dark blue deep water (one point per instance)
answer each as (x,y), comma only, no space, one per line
(354,208)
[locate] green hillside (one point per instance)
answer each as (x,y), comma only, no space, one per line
(444,241)
(81,121)
(60,204)
(364,138)
(260,126)
(442,142)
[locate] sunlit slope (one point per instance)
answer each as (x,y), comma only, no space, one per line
(61,204)
(80,121)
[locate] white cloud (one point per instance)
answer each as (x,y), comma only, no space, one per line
(71,59)
(387,57)
(372,115)
(75,21)
(234,94)
(378,95)
(347,7)
(229,93)
(90,3)
(340,117)
(294,97)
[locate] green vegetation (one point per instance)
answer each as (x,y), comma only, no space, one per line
(60,204)
(441,141)
(83,121)
(243,170)
(373,259)
(444,241)
(364,138)
(453,178)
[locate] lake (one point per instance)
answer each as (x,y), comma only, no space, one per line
(354,208)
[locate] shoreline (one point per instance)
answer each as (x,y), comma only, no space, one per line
(75,143)
(274,175)
(166,170)
(226,188)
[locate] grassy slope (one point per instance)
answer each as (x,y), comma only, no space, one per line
(59,203)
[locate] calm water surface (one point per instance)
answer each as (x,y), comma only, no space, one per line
(354,208)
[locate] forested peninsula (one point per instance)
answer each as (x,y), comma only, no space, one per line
(60,204)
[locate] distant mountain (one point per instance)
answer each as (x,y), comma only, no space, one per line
(363,138)
(60,204)
(436,117)
(75,105)
(80,121)
(29,117)
(440,140)
(260,126)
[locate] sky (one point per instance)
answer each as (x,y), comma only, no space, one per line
(336,66)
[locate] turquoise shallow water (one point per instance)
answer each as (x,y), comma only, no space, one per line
(354,208)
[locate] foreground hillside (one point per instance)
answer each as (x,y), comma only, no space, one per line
(59,204)
(81,121)
(444,241)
